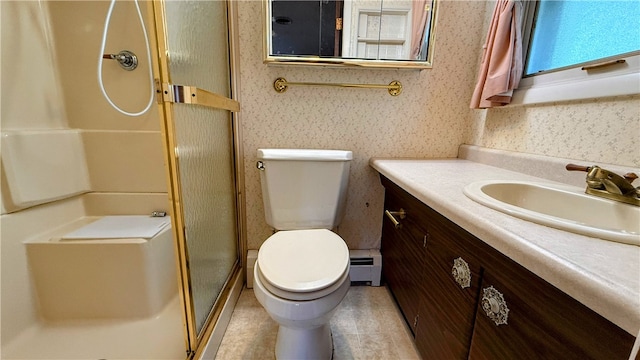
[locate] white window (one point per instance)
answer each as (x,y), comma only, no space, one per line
(580,50)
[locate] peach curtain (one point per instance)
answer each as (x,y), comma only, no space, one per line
(420,14)
(501,67)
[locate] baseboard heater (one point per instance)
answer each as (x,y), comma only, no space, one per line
(366,267)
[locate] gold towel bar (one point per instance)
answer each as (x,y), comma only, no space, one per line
(394,87)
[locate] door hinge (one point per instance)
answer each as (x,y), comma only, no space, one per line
(415,321)
(338,24)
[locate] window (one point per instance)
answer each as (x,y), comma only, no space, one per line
(580,49)
(575,32)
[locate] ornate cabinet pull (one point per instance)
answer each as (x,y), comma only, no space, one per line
(461,273)
(494,305)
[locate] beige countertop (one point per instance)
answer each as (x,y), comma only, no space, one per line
(603,275)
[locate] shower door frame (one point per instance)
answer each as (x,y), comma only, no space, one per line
(195,341)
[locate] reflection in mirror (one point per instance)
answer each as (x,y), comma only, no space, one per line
(305,27)
(389,32)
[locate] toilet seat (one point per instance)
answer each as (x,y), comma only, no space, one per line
(300,296)
(303,264)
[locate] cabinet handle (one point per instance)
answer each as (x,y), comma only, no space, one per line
(494,305)
(392,214)
(461,273)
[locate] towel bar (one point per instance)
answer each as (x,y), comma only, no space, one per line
(394,87)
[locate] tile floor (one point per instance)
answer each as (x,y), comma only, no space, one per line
(367,325)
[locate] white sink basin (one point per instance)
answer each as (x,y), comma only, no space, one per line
(560,206)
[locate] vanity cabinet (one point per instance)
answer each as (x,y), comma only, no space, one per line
(465,300)
(405,255)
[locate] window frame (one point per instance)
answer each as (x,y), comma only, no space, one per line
(576,82)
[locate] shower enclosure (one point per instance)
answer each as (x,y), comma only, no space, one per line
(199,130)
(85,161)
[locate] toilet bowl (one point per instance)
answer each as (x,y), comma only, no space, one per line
(305,277)
(302,271)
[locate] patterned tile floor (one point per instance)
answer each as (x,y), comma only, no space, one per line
(367,325)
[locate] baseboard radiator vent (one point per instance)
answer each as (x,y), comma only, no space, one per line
(366,267)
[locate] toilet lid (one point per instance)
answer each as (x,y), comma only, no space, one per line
(303,260)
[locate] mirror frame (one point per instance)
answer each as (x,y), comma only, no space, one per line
(307,60)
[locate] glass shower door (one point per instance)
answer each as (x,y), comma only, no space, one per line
(198,126)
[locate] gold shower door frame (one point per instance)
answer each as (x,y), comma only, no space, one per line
(168,95)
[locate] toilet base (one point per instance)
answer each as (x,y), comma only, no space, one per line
(295,343)
(304,330)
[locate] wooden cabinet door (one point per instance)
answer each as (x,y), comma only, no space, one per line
(448,308)
(403,255)
(542,323)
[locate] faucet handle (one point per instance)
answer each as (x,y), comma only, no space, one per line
(574,167)
(630,177)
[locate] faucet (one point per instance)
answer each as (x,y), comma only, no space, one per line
(607,184)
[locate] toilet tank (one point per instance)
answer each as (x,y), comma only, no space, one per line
(302,188)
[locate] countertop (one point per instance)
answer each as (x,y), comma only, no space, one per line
(601,274)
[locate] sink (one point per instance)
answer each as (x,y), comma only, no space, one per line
(560,206)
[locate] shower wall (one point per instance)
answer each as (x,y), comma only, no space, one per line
(77,30)
(49,83)
(124,154)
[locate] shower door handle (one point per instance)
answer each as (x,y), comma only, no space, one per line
(185,94)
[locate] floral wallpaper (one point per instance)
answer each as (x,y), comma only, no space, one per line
(601,130)
(428,119)
(431,117)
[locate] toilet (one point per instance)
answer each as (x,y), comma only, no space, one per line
(302,271)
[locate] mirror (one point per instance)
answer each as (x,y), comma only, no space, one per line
(365,33)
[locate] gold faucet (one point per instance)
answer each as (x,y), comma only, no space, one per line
(606,184)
